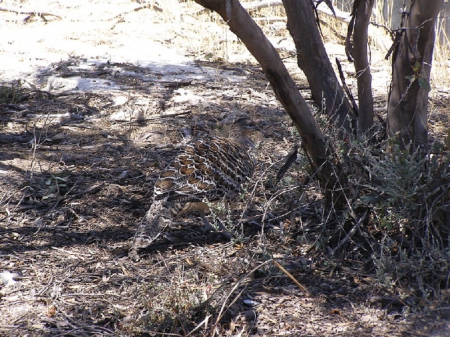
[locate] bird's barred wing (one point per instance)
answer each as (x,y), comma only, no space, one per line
(210,168)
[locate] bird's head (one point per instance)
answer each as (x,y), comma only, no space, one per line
(242,131)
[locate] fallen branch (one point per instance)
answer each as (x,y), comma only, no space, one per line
(262,4)
(31,14)
(271,19)
(254,6)
(153,6)
(288,274)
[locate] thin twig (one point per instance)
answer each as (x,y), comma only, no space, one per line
(205,321)
(350,234)
(302,287)
(30,14)
(238,283)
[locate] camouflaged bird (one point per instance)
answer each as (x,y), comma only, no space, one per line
(207,169)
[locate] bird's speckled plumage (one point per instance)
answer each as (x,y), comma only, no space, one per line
(207,169)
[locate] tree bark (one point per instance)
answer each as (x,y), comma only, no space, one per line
(312,58)
(411,66)
(358,27)
(284,87)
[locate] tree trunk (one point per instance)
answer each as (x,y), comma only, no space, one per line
(411,66)
(285,89)
(358,27)
(312,58)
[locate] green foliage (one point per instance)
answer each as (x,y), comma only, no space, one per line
(417,76)
(54,186)
(11,93)
(407,195)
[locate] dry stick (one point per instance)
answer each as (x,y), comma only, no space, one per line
(158,333)
(302,288)
(70,252)
(273,198)
(20,201)
(149,6)
(232,290)
(255,185)
(346,88)
(30,14)
(270,19)
(214,328)
(169,115)
(205,321)
(350,234)
(153,6)
(257,5)
(353,214)
(38,293)
(181,324)
(290,159)
(141,120)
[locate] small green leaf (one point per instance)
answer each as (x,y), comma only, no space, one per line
(416,67)
(423,83)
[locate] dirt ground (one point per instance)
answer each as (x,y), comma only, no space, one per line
(99,96)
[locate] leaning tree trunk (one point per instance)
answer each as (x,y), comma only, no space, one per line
(312,58)
(286,91)
(411,66)
(357,51)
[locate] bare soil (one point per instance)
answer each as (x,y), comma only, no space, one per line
(99,98)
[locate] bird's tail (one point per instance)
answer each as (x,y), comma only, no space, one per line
(157,219)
